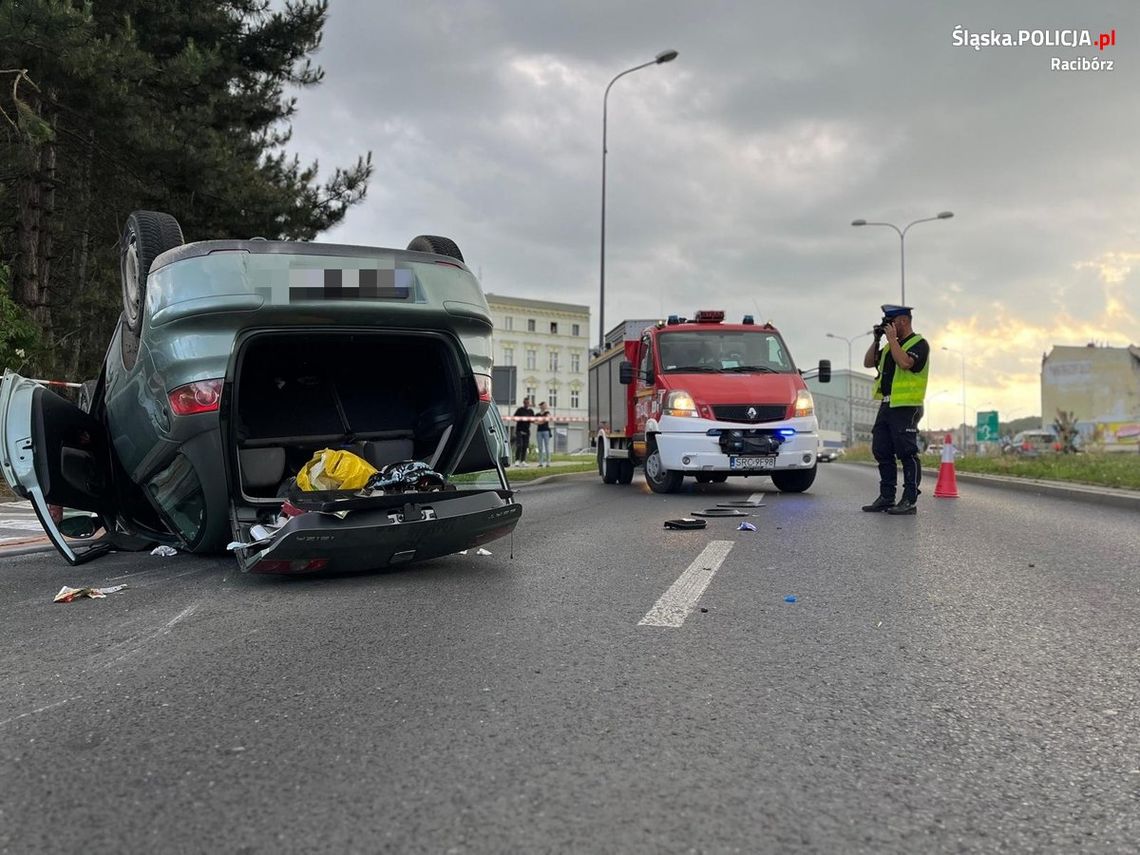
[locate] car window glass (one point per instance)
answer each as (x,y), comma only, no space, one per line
(178,493)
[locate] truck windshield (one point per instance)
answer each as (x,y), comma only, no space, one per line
(726,351)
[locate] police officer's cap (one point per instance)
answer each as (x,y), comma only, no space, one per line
(892,311)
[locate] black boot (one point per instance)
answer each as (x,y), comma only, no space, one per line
(906,507)
(880,504)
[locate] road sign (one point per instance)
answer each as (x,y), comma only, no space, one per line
(988,426)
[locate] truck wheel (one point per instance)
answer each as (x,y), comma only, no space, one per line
(660,479)
(146,236)
(606,469)
(704,477)
(794,481)
(720,477)
(438,245)
(625,471)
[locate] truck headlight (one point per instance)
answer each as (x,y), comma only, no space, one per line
(805,406)
(680,403)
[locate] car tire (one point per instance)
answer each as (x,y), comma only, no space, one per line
(625,472)
(794,480)
(146,236)
(606,470)
(438,245)
(719,477)
(704,477)
(660,479)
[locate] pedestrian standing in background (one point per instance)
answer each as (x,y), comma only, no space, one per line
(903,367)
(544,435)
(524,414)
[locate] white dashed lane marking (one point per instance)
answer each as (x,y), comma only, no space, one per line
(681,598)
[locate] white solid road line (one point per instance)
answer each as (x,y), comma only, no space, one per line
(676,603)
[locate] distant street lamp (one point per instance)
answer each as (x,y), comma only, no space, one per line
(664,56)
(963,356)
(850,395)
(945,215)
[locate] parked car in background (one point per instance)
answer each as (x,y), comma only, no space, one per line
(829,454)
(235,363)
(1031,443)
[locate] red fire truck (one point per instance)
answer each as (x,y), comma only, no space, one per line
(703,398)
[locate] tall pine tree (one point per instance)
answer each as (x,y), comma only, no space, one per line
(175,105)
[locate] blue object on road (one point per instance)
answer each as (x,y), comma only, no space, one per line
(791,598)
(746,526)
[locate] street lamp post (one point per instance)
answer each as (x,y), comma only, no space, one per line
(664,56)
(963,357)
(945,215)
(850,396)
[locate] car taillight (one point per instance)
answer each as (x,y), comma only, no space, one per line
(483,384)
(202,396)
(295,565)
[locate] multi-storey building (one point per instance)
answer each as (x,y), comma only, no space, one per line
(1099,385)
(847,398)
(547,345)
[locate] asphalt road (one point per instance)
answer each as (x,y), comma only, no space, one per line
(963,680)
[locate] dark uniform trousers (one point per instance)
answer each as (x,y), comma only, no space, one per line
(895,434)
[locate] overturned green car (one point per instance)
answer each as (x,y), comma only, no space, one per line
(233,364)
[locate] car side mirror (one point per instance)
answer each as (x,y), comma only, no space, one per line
(825,371)
(83,526)
(625,373)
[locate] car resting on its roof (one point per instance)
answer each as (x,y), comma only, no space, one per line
(237,362)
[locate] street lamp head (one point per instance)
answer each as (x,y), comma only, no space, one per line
(666,56)
(858,222)
(945,215)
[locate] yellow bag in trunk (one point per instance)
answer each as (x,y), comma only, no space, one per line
(334,470)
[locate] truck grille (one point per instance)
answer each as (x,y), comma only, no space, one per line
(740,412)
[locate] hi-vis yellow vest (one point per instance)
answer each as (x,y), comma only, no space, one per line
(908,388)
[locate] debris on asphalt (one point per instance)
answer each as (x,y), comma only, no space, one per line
(746,526)
(719,512)
(740,503)
(791,598)
(66,594)
(704,611)
(482,551)
(685,523)
(164,551)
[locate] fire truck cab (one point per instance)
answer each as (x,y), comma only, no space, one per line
(702,398)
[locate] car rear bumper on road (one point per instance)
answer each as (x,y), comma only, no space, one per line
(370,539)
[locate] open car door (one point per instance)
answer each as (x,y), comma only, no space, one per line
(58,457)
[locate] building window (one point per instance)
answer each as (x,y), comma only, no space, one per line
(508,323)
(530,325)
(552,398)
(575,330)
(576,362)
(554,360)
(531,358)
(508,356)
(531,393)
(554,327)
(574,398)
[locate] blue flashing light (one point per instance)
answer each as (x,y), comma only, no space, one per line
(674,320)
(748,320)
(786,431)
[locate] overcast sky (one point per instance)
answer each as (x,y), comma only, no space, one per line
(734,171)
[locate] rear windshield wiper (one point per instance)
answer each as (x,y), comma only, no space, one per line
(743,369)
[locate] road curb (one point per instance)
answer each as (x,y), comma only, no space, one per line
(1112,496)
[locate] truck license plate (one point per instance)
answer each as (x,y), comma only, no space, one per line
(752,463)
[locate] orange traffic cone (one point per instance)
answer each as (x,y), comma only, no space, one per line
(947,486)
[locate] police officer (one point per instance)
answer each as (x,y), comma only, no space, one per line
(900,383)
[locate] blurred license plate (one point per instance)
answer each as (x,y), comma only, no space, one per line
(752,463)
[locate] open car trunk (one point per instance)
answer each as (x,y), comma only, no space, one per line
(387,397)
